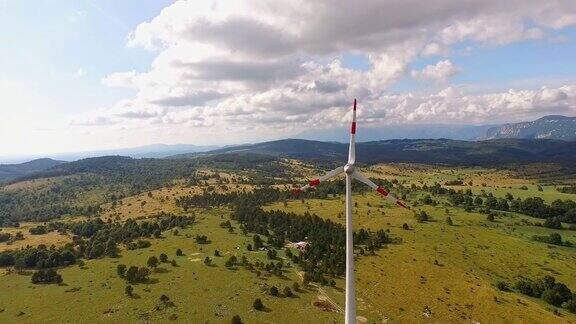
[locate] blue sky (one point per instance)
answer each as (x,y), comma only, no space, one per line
(63,49)
(57,59)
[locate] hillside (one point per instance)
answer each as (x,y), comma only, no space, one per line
(441,151)
(218,242)
(548,127)
(12,171)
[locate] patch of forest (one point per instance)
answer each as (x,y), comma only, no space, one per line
(92,239)
(326,255)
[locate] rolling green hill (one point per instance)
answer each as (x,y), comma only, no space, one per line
(432,151)
(12,171)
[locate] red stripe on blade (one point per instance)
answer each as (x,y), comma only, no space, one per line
(314,183)
(383,191)
(353,131)
(401,204)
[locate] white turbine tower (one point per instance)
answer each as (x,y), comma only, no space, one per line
(351,172)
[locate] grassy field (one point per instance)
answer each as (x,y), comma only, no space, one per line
(450,270)
(201,294)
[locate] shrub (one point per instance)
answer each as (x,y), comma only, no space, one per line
(272,254)
(503,286)
(274,291)
(552,297)
(152,262)
(231,261)
(553,222)
(236,319)
(422,216)
(129,290)
(49,276)
(258,305)
(571,305)
(121,270)
(288,292)
(179,252)
(38,230)
(163,258)
(525,287)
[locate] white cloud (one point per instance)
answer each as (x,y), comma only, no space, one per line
(440,71)
(245,65)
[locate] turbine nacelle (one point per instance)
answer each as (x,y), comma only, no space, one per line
(349,168)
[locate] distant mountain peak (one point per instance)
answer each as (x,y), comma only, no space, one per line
(548,127)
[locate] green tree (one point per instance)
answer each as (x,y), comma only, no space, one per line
(236,319)
(258,305)
(272,254)
(274,291)
(553,222)
(231,261)
(132,274)
(552,297)
(163,257)
(164,299)
(422,216)
(142,274)
(478,201)
(121,270)
(179,252)
(152,262)
(571,305)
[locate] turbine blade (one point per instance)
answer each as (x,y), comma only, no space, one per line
(313,183)
(381,190)
(352,148)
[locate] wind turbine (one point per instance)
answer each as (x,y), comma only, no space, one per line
(351,172)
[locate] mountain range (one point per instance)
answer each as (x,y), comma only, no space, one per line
(147,151)
(550,127)
(548,139)
(431,151)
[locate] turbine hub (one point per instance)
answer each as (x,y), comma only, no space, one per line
(349,168)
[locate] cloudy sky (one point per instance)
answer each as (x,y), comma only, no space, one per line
(79,75)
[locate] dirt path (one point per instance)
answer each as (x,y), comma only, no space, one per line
(322,295)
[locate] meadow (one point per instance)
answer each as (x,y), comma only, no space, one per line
(433,272)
